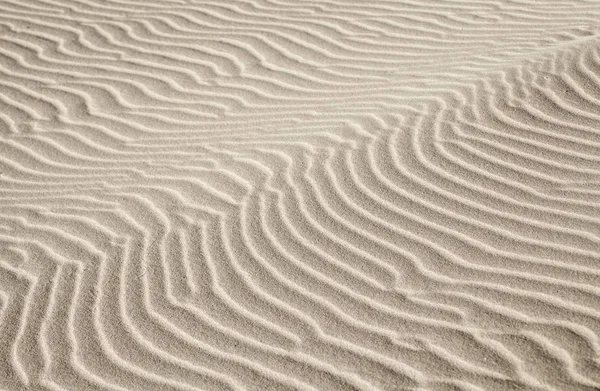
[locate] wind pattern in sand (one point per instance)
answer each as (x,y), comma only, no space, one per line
(307,195)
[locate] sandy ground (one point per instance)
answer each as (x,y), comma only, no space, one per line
(293,194)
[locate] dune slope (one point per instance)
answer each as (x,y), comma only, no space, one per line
(302,195)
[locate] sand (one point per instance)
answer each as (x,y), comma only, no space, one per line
(299,195)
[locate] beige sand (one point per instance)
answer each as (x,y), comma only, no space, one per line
(294,194)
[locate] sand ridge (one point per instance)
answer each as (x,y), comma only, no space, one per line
(302,195)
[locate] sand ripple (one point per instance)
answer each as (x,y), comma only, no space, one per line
(307,195)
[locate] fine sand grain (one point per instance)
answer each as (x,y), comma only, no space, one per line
(300,195)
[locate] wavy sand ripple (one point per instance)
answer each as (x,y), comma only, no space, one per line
(272,195)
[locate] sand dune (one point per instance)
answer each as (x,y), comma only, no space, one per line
(306,195)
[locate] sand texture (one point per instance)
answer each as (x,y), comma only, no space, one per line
(300,195)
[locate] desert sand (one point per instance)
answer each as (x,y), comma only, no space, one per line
(300,195)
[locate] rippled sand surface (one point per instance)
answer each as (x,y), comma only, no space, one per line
(299,195)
